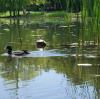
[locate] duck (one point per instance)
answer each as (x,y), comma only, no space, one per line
(41,43)
(16,53)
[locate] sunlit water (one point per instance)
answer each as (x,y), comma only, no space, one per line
(57,72)
(41,53)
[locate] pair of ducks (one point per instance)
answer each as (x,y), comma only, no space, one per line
(39,43)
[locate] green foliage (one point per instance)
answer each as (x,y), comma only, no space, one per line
(13,6)
(91,7)
(56,14)
(91,14)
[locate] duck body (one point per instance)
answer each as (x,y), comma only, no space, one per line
(40,43)
(20,53)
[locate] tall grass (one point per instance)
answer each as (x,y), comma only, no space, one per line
(91,17)
(91,20)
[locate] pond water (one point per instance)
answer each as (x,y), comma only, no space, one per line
(64,70)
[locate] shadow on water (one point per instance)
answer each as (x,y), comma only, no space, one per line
(67,68)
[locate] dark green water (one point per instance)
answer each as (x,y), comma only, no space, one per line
(60,71)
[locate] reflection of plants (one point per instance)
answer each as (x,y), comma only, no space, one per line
(24,70)
(28,68)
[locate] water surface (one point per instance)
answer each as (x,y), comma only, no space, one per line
(63,70)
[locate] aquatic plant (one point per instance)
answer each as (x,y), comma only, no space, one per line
(89,17)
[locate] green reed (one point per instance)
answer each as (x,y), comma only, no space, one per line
(89,16)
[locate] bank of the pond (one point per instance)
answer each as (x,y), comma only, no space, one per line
(36,14)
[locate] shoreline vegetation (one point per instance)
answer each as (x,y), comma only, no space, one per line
(38,13)
(82,13)
(51,8)
(68,17)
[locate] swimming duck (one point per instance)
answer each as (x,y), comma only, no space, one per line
(17,53)
(40,43)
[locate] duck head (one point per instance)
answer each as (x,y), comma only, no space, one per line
(9,50)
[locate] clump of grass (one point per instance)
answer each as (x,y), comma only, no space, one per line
(35,14)
(56,14)
(4,14)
